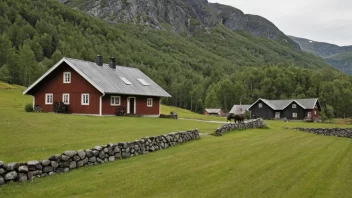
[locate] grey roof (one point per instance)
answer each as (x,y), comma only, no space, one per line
(107,80)
(282,104)
(213,110)
(239,109)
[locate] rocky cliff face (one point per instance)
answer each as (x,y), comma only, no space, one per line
(339,57)
(179,16)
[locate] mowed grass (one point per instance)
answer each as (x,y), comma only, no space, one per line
(253,163)
(184,113)
(274,162)
(28,136)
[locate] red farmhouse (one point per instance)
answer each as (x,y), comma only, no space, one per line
(97,88)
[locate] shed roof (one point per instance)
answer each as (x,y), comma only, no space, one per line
(113,81)
(213,110)
(239,109)
(282,104)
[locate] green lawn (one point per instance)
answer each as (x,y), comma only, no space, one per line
(39,135)
(253,163)
(275,162)
(183,113)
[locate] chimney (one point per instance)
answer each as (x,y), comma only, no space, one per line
(112,64)
(99,60)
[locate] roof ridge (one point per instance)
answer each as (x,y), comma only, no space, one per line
(104,64)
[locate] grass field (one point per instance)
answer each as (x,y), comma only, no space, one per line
(26,136)
(275,162)
(183,113)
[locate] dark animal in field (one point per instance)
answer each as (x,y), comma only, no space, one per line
(238,118)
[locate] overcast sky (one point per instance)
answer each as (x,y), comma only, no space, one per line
(319,20)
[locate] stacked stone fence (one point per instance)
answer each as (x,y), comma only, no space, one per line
(338,132)
(257,123)
(70,160)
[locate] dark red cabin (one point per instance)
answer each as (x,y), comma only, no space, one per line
(96,88)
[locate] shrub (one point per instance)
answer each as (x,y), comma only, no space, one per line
(28,107)
(60,107)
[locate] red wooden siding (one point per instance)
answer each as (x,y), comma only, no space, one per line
(142,109)
(111,110)
(141,105)
(53,83)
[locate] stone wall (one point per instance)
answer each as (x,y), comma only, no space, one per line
(257,123)
(339,132)
(70,160)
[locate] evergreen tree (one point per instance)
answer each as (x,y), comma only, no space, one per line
(5,74)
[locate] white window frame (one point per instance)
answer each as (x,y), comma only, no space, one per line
(115,104)
(68,98)
(125,80)
(294,115)
(294,106)
(83,101)
(46,98)
(143,82)
(260,105)
(69,77)
(149,102)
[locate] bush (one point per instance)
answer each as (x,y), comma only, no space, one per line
(60,107)
(28,107)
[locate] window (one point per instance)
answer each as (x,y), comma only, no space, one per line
(127,82)
(115,100)
(143,82)
(260,105)
(150,102)
(294,115)
(48,99)
(294,106)
(85,99)
(67,77)
(66,98)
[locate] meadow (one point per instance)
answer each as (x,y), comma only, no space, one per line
(26,136)
(274,162)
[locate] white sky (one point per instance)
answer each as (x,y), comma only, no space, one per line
(319,20)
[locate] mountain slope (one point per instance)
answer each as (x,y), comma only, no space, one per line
(339,57)
(179,16)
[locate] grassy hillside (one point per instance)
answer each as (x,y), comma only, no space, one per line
(337,56)
(345,56)
(39,135)
(187,114)
(342,61)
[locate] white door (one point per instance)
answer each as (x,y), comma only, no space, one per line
(277,115)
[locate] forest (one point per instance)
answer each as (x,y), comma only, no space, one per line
(211,69)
